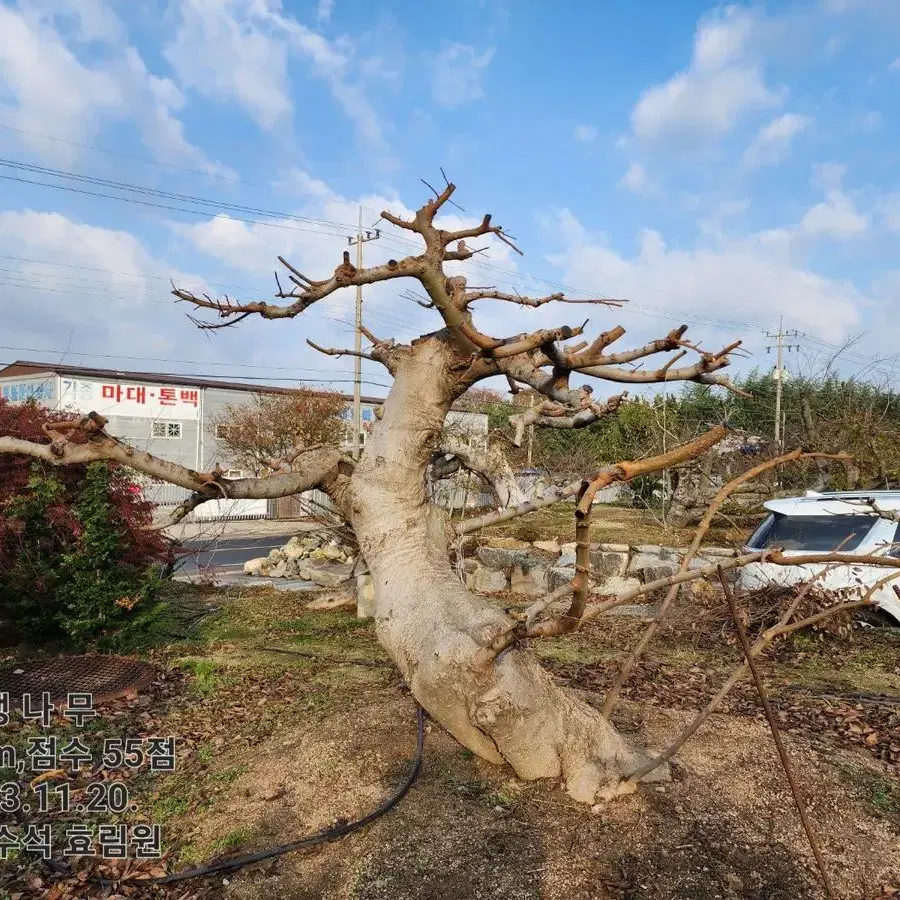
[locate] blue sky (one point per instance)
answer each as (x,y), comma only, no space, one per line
(717,165)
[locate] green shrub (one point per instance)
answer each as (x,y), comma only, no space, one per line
(75,565)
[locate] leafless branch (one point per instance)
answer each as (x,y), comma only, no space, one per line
(715,505)
(306,292)
(782,629)
(98,445)
(473,295)
(334,351)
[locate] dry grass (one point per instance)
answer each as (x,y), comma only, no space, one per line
(722,829)
(619,524)
(278,746)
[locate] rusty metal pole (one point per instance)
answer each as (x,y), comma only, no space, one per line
(776,736)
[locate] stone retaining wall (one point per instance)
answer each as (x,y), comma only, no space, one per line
(534,569)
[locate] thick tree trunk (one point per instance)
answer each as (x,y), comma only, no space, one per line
(433,627)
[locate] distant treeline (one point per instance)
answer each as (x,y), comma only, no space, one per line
(828,414)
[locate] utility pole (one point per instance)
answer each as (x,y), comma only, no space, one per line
(780,347)
(530,431)
(665,478)
(359,240)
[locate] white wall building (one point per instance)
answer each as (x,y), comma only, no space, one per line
(169,416)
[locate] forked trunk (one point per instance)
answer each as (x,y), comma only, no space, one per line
(433,627)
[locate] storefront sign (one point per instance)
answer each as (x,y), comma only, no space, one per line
(146,401)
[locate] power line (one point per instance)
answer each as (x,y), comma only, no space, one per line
(395,318)
(168,359)
(216,375)
(195,212)
(511,276)
(151,275)
(142,159)
(166,195)
(43,281)
(396,314)
(322,226)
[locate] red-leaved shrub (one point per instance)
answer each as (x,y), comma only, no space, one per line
(75,557)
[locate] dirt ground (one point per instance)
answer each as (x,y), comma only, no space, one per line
(274,746)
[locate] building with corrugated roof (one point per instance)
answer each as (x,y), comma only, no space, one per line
(171,416)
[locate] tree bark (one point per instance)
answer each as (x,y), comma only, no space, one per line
(433,628)
(489,463)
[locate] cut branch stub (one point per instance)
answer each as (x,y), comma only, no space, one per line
(625,471)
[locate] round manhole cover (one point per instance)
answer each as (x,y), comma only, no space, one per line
(105,677)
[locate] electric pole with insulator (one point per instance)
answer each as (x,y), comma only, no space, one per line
(359,240)
(780,347)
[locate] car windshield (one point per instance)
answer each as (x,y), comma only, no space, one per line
(813,533)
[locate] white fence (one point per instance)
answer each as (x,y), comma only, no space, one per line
(161,493)
(231,509)
(166,496)
(454,493)
(449,493)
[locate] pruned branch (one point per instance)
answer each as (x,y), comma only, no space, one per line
(593,355)
(626,471)
(623,471)
(319,466)
(527,342)
(489,294)
(306,291)
(556,415)
(783,628)
(335,351)
(715,505)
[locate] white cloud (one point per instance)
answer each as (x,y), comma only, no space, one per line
(303,183)
(712,225)
(635,179)
(221,50)
(829,175)
(94,20)
(773,142)
(153,102)
(456,77)
(324,9)
(99,289)
(239,50)
(748,280)
(720,84)
(895,65)
(586,133)
(51,91)
(836,217)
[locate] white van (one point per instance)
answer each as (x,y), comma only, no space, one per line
(852,521)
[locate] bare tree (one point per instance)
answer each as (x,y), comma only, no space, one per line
(480,399)
(466,661)
(256,434)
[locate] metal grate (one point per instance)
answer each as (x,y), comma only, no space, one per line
(106,677)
